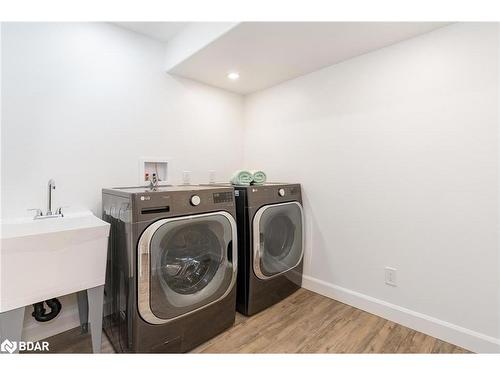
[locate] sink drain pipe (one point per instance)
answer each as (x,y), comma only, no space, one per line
(39,311)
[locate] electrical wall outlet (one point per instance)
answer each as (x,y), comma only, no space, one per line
(211,176)
(186,177)
(390,276)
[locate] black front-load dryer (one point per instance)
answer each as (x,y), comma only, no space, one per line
(271,244)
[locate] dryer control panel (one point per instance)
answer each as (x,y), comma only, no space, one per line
(272,193)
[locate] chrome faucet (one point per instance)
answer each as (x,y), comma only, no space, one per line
(49,214)
(153,182)
(50,186)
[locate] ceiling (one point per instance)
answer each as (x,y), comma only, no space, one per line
(162,31)
(267,53)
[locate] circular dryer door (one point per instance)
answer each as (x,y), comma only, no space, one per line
(191,263)
(278,239)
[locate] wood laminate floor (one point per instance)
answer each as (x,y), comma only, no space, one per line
(305,322)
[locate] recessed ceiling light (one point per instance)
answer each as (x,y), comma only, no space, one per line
(233,76)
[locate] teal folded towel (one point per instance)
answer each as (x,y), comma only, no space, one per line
(241,177)
(259,177)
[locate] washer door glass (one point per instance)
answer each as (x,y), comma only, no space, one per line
(191,264)
(278,238)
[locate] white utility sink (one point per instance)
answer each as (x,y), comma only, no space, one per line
(45,258)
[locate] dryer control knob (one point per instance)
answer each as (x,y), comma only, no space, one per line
(195,200)
(281,192)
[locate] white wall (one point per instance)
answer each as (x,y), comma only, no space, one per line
(397,154)
(83,102)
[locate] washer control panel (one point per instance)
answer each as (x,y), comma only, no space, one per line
(195,200)
(223,197)
(281,192)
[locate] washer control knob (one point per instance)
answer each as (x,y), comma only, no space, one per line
(281,192)
(195,200)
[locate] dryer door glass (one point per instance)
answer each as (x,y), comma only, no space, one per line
(191,262)
(278,238)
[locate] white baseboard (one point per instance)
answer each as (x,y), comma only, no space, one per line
(460,336)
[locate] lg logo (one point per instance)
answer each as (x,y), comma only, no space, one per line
(8,346)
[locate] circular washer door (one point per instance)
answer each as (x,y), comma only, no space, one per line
(278,236)
(191,263)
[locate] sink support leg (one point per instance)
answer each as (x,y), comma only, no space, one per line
(95,300)
(11,328)
(83,310)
